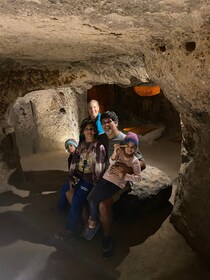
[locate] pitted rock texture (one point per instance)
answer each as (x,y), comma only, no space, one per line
(44,120)
(152,193)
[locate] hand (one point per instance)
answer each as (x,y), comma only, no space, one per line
(116,147)
(117,171)
(116,151)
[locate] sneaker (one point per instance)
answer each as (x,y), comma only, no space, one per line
(89,233)
(107,248)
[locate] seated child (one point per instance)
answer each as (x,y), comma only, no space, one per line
(66,191)
(124,166)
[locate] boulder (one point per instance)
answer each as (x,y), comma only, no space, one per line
(150,194)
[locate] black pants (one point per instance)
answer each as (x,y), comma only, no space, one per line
(102,191)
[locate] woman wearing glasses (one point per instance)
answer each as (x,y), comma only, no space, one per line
(87,167)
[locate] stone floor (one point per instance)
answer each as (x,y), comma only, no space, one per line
(148,248)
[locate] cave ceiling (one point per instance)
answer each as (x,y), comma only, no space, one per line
(59,30)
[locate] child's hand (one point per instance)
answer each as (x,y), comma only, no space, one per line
(116,147)
(116,151)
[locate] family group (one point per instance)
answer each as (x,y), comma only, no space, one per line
(101,167)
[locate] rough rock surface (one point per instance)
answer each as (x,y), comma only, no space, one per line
(54,43)
(44,120)
(151,193)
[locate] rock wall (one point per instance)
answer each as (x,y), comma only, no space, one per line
(191,205)
(44,119)
(20,78)
(9,153)
(191,211)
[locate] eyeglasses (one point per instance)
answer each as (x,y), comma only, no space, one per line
(89,128)
(107,122)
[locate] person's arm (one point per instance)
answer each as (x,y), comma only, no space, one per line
(139,156)
(70,160)
(142,164)
(74,161)
(115,155)
(136,176)
(100,162)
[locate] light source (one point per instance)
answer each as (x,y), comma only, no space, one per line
(146,90)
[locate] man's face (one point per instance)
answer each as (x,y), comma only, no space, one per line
(109,126)
(93,109)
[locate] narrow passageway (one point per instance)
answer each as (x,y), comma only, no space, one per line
(147,248)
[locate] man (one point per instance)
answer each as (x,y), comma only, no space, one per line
(94,114)
(112,136)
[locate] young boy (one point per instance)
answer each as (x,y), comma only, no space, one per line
(124,166)
(70,146)
(66,191)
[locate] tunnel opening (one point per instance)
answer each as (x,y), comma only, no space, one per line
(43,120)
(153,118)
(142,113)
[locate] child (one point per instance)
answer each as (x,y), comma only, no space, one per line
(70,146)
(124,166)
(66,191)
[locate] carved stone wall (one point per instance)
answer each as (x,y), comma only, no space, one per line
(44,119)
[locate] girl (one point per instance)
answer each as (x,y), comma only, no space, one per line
(124,166)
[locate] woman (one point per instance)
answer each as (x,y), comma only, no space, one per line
(87,167)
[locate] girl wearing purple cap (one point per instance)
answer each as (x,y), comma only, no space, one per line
(124,166)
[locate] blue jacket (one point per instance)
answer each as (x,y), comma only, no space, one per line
(98,123)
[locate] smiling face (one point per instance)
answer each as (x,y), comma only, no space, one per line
(110,127)
(130,149)
(89,133)
(71,148)
(93,109)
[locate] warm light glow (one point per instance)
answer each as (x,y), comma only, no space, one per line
(135,129)
(147,90)
(141,129)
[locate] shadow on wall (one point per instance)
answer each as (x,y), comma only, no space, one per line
(37,224)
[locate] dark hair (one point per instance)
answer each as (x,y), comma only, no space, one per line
(84,123)
(110,115)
